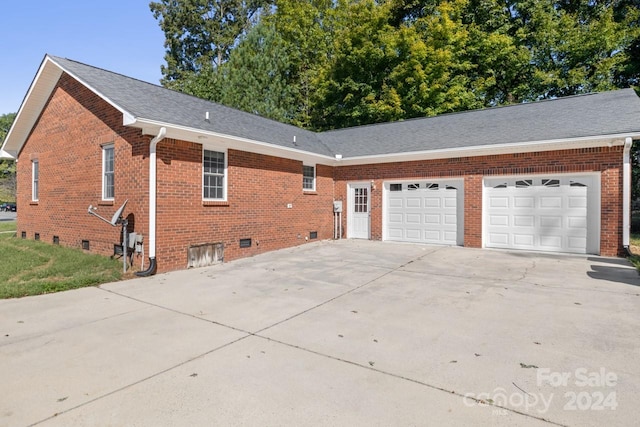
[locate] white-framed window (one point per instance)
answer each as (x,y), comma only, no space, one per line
(308,178)
(214,171)
(108,169)
(35,180)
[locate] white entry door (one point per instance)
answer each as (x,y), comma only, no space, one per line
(359,221)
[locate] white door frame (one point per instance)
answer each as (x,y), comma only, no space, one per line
(351,213)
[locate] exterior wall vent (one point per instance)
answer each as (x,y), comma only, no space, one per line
(23,234)
(85,245)
(204,255)
(36,236)
(56,240)
(313,235)
(245,243)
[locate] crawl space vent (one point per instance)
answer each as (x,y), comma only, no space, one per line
(206,254)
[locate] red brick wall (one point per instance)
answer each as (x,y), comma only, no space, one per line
(67,140)
(606,160)
(259,190)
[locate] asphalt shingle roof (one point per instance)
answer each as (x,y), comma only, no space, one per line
(148,101)
(606,113)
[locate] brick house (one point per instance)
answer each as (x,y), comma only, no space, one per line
(548,176)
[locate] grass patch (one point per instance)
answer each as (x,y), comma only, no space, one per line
(34,268)
(634,246)
(7,226)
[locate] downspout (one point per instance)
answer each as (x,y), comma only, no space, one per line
(626,194)
(152,204)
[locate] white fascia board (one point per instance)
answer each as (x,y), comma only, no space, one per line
(34,101)
(215,139)
(36,98)
(5,155)
(218,140)
(486,150)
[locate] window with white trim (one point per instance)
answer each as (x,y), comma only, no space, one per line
(35,179)
(214,170)
(308,178)
(108,169)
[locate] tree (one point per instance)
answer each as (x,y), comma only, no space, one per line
(325,64)
(307,29)
(434,60)
(200,34)
(7,167)
(576,46)
(256,78)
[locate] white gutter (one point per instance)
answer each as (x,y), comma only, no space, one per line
(626,192)
(152,202)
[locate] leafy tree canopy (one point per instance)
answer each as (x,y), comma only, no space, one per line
(326,64)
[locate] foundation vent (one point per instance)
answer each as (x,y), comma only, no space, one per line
(204,255)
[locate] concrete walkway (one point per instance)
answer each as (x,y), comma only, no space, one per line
(340,333)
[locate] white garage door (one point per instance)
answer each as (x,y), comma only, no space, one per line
(546,213)
(423,212)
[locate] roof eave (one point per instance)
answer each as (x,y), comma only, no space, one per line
(220,140)
(31,107)
(35,100)
(486,150)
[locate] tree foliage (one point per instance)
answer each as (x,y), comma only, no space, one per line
(7,167)
(326,64)
(200,34)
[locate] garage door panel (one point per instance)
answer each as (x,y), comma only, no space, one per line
(432,236)
(523,202)
(432,202)
(413,202)
(578,201)
(523,220)
(499,239)
(577,242)
(450,237)
(422,211)
(412,219)
(551,221)
(550,202)
(395,202)
(432,219)
(499,202)
(451,220)
(544,213)
(450,202)
(523,240)
(395,218)
(551,242)
(498,220)
(577,222)
(395,233)
(413,234)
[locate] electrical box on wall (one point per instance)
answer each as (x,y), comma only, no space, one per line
(337,206)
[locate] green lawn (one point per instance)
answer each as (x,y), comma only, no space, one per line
(7,226)
(28,267)
(634,243)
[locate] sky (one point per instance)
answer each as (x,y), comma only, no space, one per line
(117,35)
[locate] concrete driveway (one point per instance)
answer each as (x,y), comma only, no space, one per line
(334,333)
